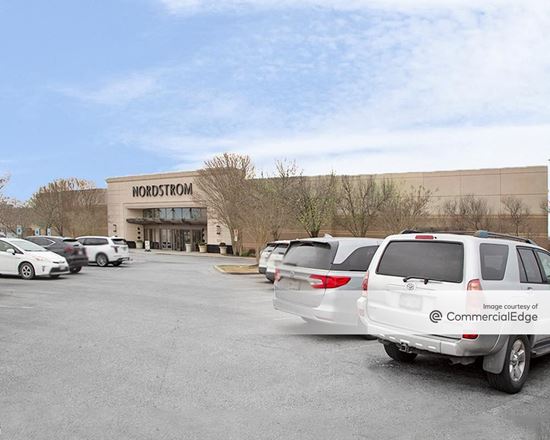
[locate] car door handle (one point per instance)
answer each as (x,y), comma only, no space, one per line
(529,288)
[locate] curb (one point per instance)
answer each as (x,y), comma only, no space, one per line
(220,270)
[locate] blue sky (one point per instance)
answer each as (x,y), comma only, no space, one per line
(98,89)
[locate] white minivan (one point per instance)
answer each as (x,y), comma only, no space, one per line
(28,260)
(105,250)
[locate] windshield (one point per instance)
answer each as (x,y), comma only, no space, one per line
(28,246)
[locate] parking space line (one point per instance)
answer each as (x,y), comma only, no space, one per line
(16,307)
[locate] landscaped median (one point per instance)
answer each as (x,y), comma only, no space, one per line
(237,269)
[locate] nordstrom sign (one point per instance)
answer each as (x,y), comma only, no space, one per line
(178,189)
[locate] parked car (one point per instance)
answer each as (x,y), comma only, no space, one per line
(69,248)
(28,260)
(264,255)
(431,262)
(105,250)
(275,258)
(320,279)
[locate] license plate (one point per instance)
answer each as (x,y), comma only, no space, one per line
(410,301)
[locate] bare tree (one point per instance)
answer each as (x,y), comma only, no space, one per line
(315,202)
(517,211)
(3,182)
(224,184)
(14,213)
(467,213)
(60,203)
(406,209)
(284,190)
(360,202)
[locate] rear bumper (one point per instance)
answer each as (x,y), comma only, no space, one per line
(335,308)
(77,261)
(119,259)
(440,344)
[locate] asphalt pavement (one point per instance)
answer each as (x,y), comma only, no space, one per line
(169,348)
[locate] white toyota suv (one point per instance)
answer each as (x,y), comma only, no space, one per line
(410,270)
(105,250)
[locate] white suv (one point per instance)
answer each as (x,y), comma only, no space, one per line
(105,250)
(421,265)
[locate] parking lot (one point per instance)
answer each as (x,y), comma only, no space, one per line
(169,348)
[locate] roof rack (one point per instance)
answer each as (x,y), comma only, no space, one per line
(489,234)
(479,234)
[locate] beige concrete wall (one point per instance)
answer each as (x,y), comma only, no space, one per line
(528,183)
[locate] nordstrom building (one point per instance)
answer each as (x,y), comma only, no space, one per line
(167,208)
(164,209)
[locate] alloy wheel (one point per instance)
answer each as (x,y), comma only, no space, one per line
(516,366)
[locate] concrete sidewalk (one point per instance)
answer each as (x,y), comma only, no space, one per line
(190,254)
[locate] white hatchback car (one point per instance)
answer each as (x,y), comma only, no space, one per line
(28,260)
(105,250)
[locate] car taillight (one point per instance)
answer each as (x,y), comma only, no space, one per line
(474,285)
(277,274)
(365,284)
(328,281)
(69,249)
(115,248)
(469,336)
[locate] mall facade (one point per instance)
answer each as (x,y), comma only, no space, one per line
(167,209)
(164,209)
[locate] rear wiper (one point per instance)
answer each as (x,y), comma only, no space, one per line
(291,264)
(412,277)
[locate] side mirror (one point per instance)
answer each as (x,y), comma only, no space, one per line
(10,251)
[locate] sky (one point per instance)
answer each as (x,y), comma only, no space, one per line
(97,89)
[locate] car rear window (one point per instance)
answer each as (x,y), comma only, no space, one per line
(358,260)
(313,255)
(269,248)
(119,241)
(433,260)
(493,261)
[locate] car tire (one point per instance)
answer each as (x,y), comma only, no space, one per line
(101,260)
(76,269)
(26,271)
(516,366)
(117,263)
(398,355)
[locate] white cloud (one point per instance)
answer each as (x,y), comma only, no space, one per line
(193,6)
(373,151)
(386,85)
(119,91)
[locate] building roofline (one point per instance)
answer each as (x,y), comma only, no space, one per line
(152,176)
(464,172)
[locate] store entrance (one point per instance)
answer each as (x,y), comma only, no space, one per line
(175,239)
